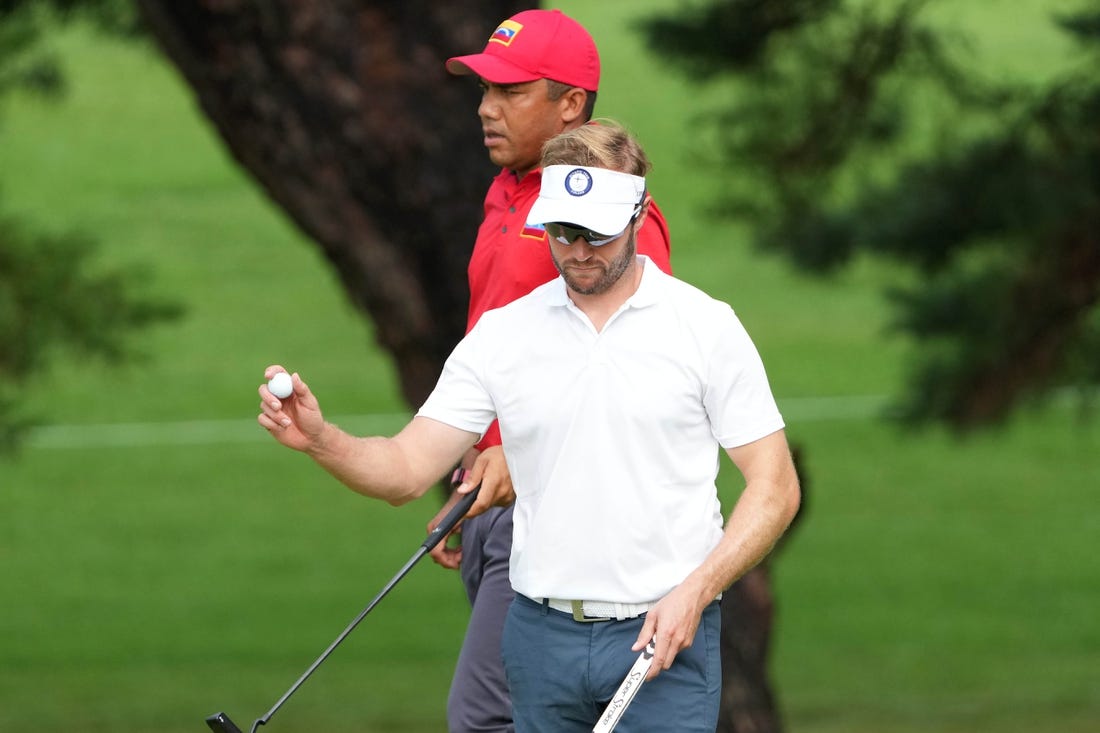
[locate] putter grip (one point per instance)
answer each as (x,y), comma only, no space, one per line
(458,511)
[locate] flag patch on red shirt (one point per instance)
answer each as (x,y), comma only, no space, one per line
(535,231)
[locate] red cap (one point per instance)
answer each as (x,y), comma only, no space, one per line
(535,44)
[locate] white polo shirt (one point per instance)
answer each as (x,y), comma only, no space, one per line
(612,438)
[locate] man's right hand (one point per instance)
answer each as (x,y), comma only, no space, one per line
(442,553)
(295,421)
(490,470)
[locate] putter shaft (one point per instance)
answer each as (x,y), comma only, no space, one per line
(627,690)
(221,722)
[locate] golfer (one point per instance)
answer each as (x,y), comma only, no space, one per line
(539,73)
(615,386)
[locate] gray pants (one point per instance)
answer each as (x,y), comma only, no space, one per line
(478,701)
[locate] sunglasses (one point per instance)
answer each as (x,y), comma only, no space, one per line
(567,233)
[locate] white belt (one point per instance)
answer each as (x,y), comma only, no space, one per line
(589,611)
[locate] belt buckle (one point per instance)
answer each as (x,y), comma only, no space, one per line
(578,614)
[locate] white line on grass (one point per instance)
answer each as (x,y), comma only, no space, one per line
(186,432)
(209,432)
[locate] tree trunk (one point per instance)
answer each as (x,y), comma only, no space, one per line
(748,705)
(343,112)
(748,612)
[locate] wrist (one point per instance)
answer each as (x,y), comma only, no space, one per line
(321,443)
(703,587)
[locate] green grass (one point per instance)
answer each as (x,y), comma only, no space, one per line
(155,572)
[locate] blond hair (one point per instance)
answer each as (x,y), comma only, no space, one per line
(604,144)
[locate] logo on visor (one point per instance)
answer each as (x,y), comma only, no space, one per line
(578,182)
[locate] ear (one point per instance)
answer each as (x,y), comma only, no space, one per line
(642,214)
(572,106)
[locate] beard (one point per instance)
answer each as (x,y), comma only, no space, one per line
(610,273)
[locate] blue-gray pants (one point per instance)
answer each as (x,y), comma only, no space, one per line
(562,673)
(478,701)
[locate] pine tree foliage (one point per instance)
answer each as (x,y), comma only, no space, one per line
(863,130)
(55,299)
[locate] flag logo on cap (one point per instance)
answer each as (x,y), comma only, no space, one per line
(578,182)
(506,32)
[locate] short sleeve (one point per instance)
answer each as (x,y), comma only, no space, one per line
(738,398)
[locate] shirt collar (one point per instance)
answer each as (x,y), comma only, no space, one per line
(534,174)
(649,288)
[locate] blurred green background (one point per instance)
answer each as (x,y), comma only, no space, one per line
(162,559)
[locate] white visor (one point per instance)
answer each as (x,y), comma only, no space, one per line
(593,198)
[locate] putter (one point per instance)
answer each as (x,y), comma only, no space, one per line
(627,690)
(220,722)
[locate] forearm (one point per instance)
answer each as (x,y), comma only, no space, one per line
(760,517)
(397,469)
(763,512)
(372,466)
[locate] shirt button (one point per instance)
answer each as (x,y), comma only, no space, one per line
(504,229)
(512,209)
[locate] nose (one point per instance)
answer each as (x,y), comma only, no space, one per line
(488,109)
(581,249)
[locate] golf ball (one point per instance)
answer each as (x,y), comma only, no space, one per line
(281,385)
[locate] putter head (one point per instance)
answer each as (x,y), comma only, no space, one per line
(220,723)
